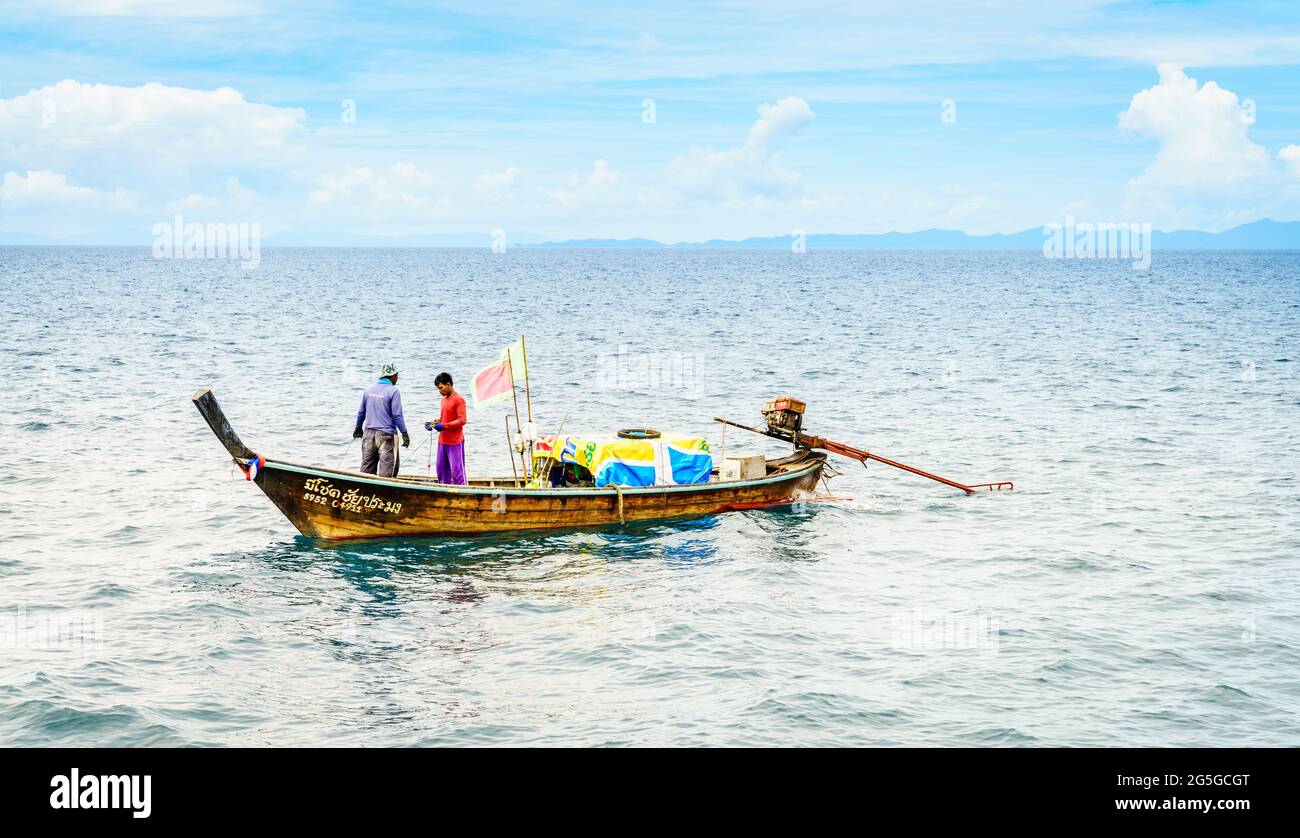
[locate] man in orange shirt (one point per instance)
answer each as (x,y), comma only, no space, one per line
(451,439)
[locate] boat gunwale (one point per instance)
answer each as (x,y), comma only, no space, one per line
(812,460)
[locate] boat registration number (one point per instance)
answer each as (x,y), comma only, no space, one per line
(320,491)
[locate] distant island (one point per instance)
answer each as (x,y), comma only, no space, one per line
(1258,235)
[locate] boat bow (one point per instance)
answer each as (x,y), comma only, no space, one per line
(216,419)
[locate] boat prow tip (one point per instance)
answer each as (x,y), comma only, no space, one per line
(207,406)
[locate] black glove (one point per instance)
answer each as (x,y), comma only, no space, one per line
(406,440)
(356,433)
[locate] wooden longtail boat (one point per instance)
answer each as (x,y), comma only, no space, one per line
(333,504)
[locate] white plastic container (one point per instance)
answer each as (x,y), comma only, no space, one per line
(749,467)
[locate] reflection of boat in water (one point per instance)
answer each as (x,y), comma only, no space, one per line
(335,504)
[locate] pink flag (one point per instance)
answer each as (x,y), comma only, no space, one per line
(492,384)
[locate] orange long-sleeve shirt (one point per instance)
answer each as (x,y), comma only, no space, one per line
(453,420)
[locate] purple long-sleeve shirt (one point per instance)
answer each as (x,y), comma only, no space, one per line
(381,408)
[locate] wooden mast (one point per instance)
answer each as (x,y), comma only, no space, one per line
(528,395)
(511,445)
(515,395)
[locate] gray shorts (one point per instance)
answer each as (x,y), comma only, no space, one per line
(379,453)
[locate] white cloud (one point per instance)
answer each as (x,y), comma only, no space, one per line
(46,189)
(492,185)
(394,201)
(49,203)
(1203,134)
(1207,171)
(1290,157)
(602,185)
(147,134)
(106,158)
(238,202)
(751,171)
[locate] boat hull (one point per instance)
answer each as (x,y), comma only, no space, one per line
(329,504)
(334,504)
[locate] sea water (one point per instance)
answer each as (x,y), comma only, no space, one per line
(1140,586)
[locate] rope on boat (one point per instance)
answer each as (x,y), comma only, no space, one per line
(618,490)
(339,467)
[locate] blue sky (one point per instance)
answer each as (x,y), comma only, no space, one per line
(532,118)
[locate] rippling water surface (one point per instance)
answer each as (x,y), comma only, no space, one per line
(1139,587)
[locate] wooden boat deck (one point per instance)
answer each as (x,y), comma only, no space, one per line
(518,484)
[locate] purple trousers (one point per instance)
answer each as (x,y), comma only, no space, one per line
(451,464)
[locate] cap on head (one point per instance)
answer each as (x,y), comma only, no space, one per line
(389,369)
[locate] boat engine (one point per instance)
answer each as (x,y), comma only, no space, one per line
(784,418)
(785,415)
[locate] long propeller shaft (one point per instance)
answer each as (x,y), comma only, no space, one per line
(809,441)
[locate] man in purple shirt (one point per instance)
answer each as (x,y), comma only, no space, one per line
(378,421)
